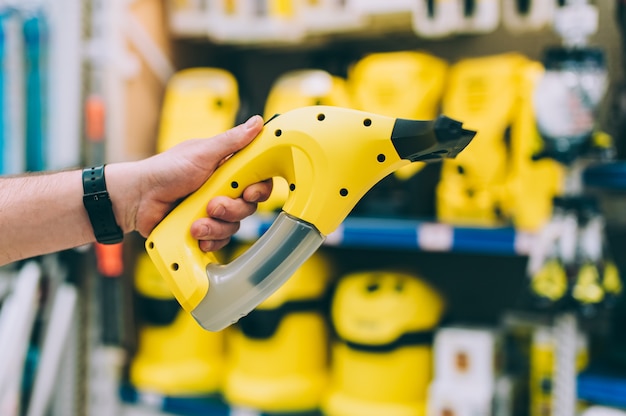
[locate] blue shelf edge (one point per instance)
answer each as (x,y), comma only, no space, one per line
(389,233)
(606,176)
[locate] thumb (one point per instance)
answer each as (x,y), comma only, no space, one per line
(227,143)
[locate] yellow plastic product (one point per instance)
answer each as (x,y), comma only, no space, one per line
(295,89)
(611,281)
(381,362)
(550,282)
(277,355)
(198,103)
(485,93)
(406,84)
(531,184)
(158,365)
(341,154)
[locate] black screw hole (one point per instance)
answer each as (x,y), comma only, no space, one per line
(278,132)
(372,287)
(219,103)
(343,192)
(381,158)
(321,117)
(234,184)
(151,245)
(318,101)
(460,169)
(174,266)
(367,122)
(292,187)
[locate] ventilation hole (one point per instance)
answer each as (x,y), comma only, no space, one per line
(367,122)
(292,187)
(321,117)
(343,192)
(381,158)
(278,132)
(174,266)
(234,185)
(151,245)
(372,287)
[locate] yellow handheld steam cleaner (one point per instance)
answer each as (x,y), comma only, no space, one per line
(382,358)
(277,355)
(198,102)
(341,154)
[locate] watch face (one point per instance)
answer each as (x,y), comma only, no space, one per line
(565,104)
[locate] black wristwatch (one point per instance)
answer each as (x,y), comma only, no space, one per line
(99,208)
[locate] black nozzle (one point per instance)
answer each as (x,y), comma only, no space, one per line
(431,140)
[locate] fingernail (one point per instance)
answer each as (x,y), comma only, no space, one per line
(251,121)
(219,211)
(255,197)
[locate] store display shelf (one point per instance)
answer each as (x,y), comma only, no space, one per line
(606,176)
(411,234)
(144,403)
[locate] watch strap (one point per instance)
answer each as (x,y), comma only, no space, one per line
(99,207)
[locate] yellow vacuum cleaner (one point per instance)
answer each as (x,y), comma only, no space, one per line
(277,355)
(382,358)
(158,365)
(341,154)
(484,92)
(407,84)
(530,184)
(198,103)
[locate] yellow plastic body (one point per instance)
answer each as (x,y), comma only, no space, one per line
(484,92)
(407,84)
(330,156)
(550,282)
(531,184)
(295,89)
(287,372)
(158,365)
(376,308)
(198,103)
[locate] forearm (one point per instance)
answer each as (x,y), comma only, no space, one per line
(44,213)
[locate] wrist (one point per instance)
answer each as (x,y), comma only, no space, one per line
(123,191)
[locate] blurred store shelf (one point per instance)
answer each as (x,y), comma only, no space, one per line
(409,234)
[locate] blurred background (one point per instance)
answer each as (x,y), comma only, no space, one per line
(489,284)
